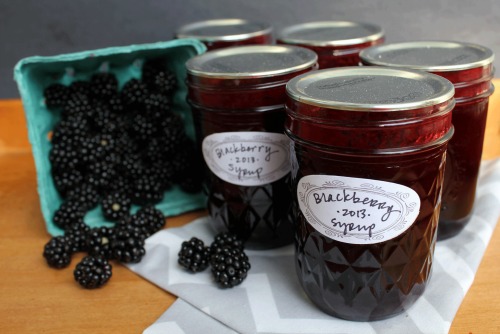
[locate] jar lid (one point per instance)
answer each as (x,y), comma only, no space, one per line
(241,62)
(370,88)
(224,30)
(432,56)
(331,33)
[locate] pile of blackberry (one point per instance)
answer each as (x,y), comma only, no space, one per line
(115,148)
(225,256)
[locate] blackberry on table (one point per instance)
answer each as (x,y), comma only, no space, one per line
(149,219)
(55,95)
(128,244)
(194,255)
(92,272)
(58,251)
(227,240)
(68,213)
(98,242)
(115,206)
(103,85)
(229,267)
(77,234)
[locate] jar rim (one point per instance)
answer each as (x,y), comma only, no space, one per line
(358,33)
(301,89)
(191,30)
(298,59)
(385,55)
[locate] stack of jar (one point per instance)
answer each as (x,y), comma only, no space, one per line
(348,160)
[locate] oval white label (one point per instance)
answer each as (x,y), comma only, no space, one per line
(357,211)
(247,158)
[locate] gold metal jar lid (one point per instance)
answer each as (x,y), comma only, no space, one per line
(252,61)
(331,33)
(370,88)
(224,30)
(432,56)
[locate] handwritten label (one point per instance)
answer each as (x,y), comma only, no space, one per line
(355,210)
(247,158)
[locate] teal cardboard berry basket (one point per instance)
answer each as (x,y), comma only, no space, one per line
(35,73)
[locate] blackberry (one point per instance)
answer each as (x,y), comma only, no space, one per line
(164,173)
(122,185)
(158,77)
(98,242)
(55,95)
(115,104)
(57,252)
(64,157)
(80,88)
(229,267)
(103,85)
(147,190)
(194,255)
(78,104)
(92,272)
(128,244)
(134,92)
(65,180)
(77,234)
(100,175)
(165,82)
(89,151)
(131,166)
(149,219)
(226,240)
(85,195)
(70,212)
(143,128)
(115,206)
(157,102)
(76,125)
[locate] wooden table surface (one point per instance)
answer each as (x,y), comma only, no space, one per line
(37,299)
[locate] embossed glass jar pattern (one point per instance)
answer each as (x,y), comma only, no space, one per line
(237,96)
(368,151)
(469,67)
(223,33)
(337,43)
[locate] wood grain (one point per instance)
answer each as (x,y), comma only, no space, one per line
(37,299)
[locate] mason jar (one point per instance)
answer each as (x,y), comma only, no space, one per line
(337,43)
(237,97)
(222,33)
(368,148)
(470,68)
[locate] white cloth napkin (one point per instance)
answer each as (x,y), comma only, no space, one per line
(271,300)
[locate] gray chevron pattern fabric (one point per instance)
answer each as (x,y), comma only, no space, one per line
(270,300)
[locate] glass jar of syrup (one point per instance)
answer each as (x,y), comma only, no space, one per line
(337,43)
(237,97)
(368,147)
(469,67)
(222,33)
